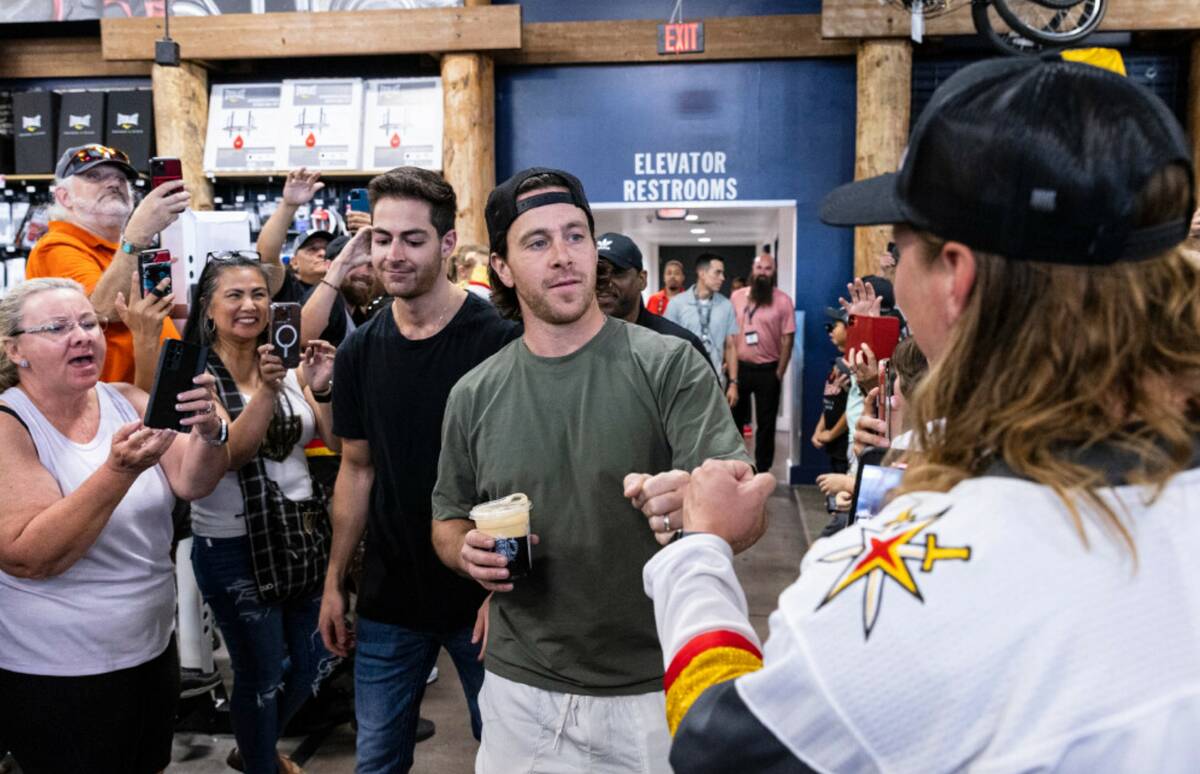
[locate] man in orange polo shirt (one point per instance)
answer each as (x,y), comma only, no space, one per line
(95,235)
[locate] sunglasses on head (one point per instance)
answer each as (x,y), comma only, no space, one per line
(90,153)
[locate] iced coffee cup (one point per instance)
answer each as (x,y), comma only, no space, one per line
(507,521)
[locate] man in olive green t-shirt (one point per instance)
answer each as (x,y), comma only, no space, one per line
(574,667)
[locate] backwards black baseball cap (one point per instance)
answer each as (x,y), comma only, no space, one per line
(503,208)
(1030,159)
(619,250)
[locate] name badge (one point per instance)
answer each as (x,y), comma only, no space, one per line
(752,338)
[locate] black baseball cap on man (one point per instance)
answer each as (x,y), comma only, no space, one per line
(81,158)
(619,250)
(999,161)
(503,208)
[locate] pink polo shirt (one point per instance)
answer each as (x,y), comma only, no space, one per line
(765,325)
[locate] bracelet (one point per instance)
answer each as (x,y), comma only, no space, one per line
(325,395)
(330,284)
(222,435)
(129,248)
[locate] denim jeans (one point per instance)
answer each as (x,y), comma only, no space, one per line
(391,664)
(276,651)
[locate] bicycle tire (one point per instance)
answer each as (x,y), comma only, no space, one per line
(1007,43)
(1087,16)
(1061,4)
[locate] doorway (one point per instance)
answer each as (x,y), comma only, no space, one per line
(736,231)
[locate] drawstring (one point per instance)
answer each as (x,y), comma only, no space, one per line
(568,709)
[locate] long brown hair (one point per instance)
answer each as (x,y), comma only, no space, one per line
(1049,359)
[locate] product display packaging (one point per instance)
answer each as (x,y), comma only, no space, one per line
(243,128)
(402,123)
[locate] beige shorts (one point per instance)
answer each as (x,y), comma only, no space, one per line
(527,729)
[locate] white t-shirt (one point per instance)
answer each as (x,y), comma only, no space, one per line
(972,630)
(219,514)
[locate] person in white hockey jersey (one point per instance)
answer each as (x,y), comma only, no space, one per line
(1030,601)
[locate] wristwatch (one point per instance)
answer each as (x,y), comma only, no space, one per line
(324,396)
(222,435)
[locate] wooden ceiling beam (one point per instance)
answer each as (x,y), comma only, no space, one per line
(869,19)
(787,36)
(62,58)
(345,33)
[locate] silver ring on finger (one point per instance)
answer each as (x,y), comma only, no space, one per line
(667,523)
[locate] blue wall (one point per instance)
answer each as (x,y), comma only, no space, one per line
(786,128)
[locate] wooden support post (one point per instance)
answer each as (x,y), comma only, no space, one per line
(469,138)
(884,107)
(180,124)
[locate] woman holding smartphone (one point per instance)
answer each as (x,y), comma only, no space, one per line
(280,416)
(87,592)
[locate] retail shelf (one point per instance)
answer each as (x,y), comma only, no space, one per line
(329,174)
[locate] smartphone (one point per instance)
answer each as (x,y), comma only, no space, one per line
(153,267)
(883,399)
(881,333)
(841,366)
(873,484)
(164,169)
(358,201)
(285,332)
(178,364)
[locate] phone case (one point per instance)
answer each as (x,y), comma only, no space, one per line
(164,169)
(881,333)
(178,364)
(285,333)
(358,200)
(153,267)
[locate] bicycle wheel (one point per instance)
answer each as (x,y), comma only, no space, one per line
(1051,26)
(988,23)
(1058,3)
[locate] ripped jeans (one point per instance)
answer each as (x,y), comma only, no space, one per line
(276,651)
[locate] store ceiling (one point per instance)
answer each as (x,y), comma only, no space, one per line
(729,225)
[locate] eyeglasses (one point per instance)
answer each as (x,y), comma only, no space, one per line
(893,251)
(60,329)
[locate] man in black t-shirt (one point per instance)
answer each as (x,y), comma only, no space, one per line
(391,381)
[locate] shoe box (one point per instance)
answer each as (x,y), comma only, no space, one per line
(80,119)
(35,126)
(129,125)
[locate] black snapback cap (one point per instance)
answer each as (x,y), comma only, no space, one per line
(1030,159)
(502,206)
(619,250)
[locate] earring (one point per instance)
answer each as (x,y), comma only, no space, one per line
(24,363)
(210,326)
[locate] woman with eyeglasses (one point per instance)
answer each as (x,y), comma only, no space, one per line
(282,413)
(89,677)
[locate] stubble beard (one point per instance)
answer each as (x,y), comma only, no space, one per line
(538,306)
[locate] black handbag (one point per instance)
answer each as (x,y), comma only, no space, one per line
(289,541)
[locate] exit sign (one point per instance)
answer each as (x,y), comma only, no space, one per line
(681,38)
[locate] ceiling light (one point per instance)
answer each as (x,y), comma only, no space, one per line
(704,239)
(699,231)
(692,217)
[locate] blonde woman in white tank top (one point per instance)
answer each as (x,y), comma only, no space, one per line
(86,582)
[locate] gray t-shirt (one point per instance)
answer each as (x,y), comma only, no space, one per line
(566,431)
